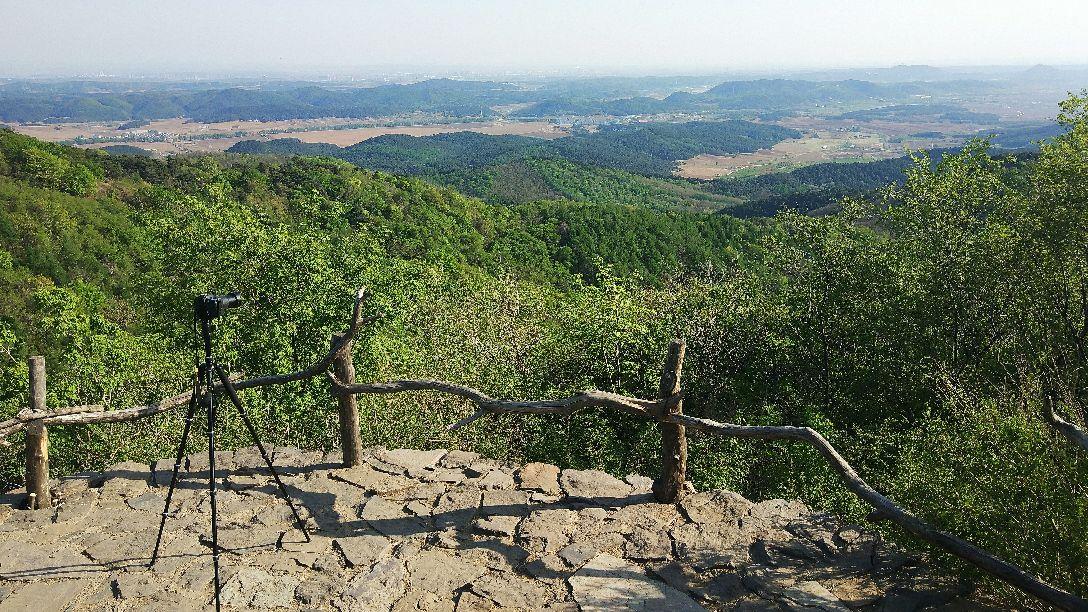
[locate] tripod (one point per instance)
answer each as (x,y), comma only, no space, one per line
(206,308)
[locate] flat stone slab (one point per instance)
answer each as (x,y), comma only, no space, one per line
(608,583)
(593,485)
(435,530)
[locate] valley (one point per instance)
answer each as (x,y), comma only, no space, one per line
(180,136)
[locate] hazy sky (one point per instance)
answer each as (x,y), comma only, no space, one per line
(125,36)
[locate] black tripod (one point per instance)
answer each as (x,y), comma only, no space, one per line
(205,308)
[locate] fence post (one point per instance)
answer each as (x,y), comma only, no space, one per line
(674,442)
(350,440)
(37,440)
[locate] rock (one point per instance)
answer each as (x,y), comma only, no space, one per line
(647,516)
(783,588)
(28,561)
(547,567)
(607,583)
(318,590)
(545,531)
(468,601)
(755,603)
(126,478)
(197,576)
(436,571)
(506,502)
(136,585)
(710,546)
(503,526)
(542,477)
(679,577)
(46,595)
(419,601)
(593,485)
(856,591)
(410,459)
(255,588)
(478,469)
(439,531)
(457,508)
(647,545)
(640,484)
(446,475)
(74,486)
(576,554)
(459,459)
(509,591)
(363,549)
(390,518)
(197,464)
(147,502)
(724,587)
(496,479)
(378,587)
(120,549)
(304,553)
(778,512)
(244,540)
(714,507)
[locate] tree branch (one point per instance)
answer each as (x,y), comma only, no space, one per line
(884,508)
(357,321)
(1070,430)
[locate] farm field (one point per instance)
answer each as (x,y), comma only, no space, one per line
(183,136)
(829,140)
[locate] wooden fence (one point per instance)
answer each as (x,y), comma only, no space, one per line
(666,410)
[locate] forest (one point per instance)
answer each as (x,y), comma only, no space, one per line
(645,148)
(924,327)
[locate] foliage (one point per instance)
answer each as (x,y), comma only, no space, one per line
(918,329)
(533,179)
(650,148)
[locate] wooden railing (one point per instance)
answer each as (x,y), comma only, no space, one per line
(666,410)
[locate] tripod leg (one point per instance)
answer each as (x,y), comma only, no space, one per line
(233,395)
(193,401)
(211,487)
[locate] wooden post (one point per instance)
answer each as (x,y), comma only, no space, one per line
(350,440)
(674,441)
(37,441)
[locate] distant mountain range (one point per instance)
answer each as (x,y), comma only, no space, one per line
(27,101)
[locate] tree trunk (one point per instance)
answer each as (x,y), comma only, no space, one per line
(674,442)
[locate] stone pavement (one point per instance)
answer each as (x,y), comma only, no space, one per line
(438,530)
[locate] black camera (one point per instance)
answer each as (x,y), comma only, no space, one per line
(209,306)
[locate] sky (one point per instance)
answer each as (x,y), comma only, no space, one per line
(65,37)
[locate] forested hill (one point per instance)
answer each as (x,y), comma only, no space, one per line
(619,165)
(78,216)
(644,148)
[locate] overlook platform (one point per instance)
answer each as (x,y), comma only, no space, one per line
(438,530)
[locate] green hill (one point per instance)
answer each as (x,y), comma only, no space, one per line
(650,148)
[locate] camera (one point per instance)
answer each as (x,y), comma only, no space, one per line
(210,306)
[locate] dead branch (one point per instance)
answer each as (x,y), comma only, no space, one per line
(1070,430)
(884,508)
(26,415)
(489,405)
(357,321)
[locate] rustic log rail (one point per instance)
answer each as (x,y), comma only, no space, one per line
(667,411)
